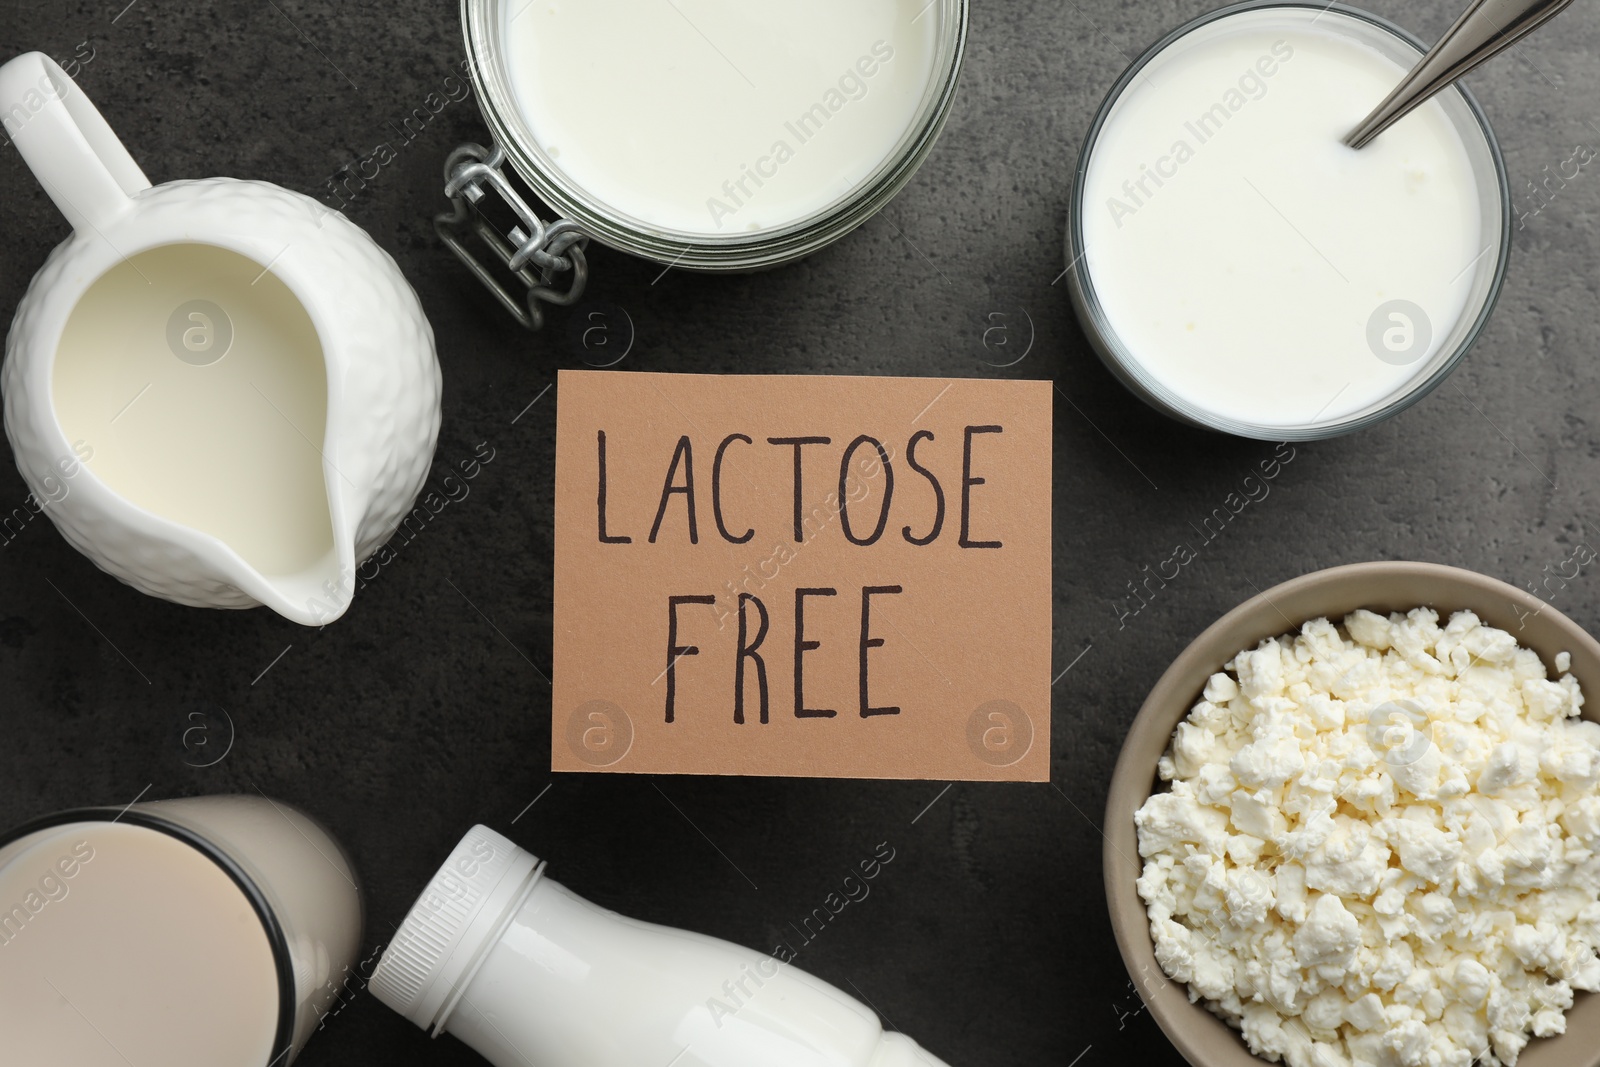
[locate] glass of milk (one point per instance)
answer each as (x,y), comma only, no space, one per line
(188,933)
(716,135)
(1240,268)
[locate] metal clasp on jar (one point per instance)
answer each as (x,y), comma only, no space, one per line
(553,248)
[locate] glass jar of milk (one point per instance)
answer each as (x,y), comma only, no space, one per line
(1240,268)
(707,135)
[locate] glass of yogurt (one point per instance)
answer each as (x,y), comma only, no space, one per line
(1238,267)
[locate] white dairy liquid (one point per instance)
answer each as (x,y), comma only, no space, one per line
(230,447)
(122,945)
(528,972)
(1241,259)
(714,116)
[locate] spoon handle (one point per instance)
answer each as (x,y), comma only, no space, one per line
(1486,28)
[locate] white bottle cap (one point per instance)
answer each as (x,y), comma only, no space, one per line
(457,919)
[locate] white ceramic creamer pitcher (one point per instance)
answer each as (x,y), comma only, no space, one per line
(220,391)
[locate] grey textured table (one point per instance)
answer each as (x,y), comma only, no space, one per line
(412,718)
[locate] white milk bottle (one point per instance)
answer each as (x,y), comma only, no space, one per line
(527,972)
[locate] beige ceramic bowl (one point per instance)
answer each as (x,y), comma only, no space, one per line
(1202,1038)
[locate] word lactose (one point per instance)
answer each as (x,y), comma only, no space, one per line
(866,452)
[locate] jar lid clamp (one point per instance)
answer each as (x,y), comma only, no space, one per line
(555,248)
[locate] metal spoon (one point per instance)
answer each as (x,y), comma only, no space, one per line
(1485,29)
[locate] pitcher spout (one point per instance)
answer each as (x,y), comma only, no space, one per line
(321,591)
(317,596)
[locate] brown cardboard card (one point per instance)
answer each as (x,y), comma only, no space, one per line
(802,575)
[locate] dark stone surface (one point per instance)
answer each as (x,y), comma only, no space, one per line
(411,719)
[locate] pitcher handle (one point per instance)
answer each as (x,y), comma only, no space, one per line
(66,142)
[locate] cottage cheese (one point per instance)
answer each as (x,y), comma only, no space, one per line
(1381,845)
